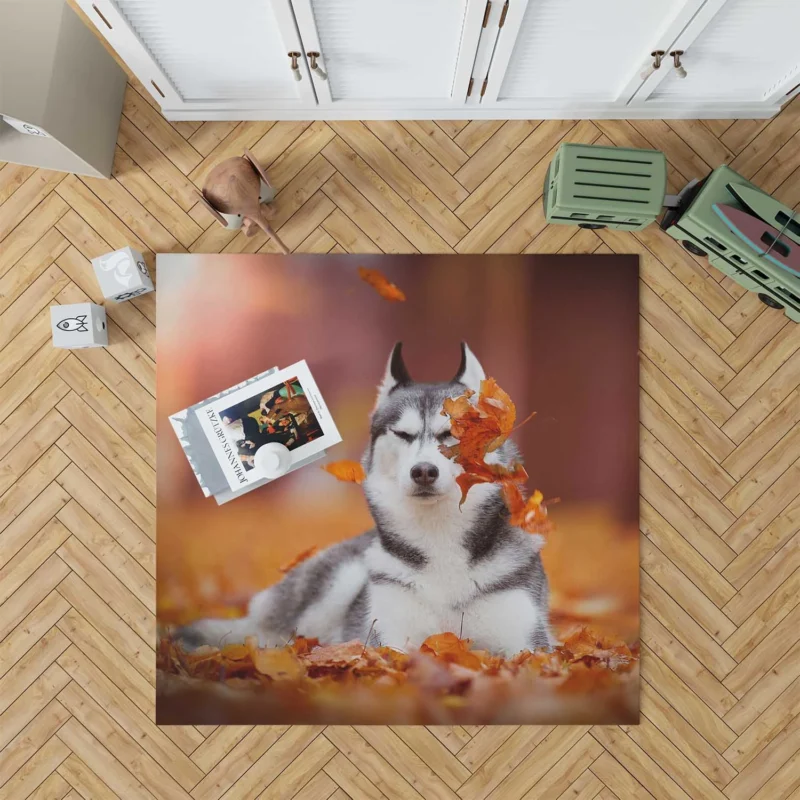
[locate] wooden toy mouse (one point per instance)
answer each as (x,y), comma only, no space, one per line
(236,192)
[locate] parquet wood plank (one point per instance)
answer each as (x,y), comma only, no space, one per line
(299,153)
(761,583)
(720,506)
(679,513)
(567,771)
(537,146)
(30,557)
(30,630)
(12,176)
(119,743)
(107,586)
(152,197)
(684,592)
(30,484)
(93,605)
(426,168)
(437,143)
(205,138)
(688,686)
(159,131)
(155,164)
(683,555)
(102,545)
(360,156)
(775,719)
(21,750)
(109,443)
(25,199)
(31,593)
(108,478)
(30,267)
(761,403)
(101,765)
(685,737)
(684,447)
(639,763)
(85,783)
(31,230)
(236,763)
(125,713)
(350,780)
(685,412)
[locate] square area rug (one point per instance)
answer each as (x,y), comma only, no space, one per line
(454,536)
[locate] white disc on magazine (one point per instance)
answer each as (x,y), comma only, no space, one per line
(273,459)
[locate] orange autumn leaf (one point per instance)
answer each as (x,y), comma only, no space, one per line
(444,675)
(449,648)
(381,284)
(481,427)
(299,559)
(278,664)
(530,514)
(346,470)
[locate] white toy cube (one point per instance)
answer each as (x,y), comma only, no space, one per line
(122,274)
(79,325)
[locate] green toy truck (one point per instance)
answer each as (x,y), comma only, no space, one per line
(605,187)
(613,187)
(702,232)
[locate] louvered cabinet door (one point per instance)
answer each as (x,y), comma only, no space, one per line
(560,55)
(384,54)
(737,51)
(230,56)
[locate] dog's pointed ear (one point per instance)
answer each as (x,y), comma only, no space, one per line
(470,372)
(396,374)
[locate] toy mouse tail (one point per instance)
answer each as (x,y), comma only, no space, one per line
(267,228)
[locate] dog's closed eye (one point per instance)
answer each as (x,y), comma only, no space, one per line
(406,437)
(444,436)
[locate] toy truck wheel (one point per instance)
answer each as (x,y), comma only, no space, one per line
(592,226)
(769,301)
(693,248)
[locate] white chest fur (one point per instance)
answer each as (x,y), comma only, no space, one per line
(448,593)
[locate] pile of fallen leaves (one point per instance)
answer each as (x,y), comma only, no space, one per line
(482,427)
(589,676)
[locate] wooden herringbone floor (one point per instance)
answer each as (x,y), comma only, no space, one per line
(720,471)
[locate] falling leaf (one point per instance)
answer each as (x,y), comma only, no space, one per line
(299,559)
(530,514)
(346,470)
(381,284)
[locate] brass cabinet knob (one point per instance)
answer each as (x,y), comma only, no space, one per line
(295,67)
(315,68)
(676,58)
(657,56)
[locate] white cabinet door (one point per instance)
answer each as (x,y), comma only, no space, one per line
(403,54)
(208,54)
(579,54)
(741,51)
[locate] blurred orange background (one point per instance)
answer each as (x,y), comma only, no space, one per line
(558,333)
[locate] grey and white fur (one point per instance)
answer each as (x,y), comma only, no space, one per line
(428,566)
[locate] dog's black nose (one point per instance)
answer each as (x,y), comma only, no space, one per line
(424,474)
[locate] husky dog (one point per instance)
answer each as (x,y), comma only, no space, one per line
(428,566)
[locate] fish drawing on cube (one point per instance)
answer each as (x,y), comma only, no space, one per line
(122,275)
(79,325)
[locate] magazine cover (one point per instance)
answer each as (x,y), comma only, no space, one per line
(285,407)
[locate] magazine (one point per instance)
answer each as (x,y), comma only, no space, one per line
(284,406)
